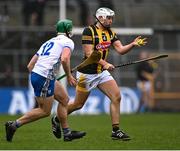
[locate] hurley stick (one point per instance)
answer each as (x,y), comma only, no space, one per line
(140,61)
(93,58)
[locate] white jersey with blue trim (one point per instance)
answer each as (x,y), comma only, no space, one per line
(49,55)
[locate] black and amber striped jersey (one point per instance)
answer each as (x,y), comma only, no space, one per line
(101,41)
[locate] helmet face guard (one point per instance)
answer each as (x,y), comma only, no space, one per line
(64,26)
(105,13)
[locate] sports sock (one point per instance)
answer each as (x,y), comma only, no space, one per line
(16,124)
(66,130)
(115,127)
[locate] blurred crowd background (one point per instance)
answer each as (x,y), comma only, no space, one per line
(25,24)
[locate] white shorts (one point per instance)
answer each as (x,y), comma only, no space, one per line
(144,86)
(87,82)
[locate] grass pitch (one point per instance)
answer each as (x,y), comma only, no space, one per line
(148,131)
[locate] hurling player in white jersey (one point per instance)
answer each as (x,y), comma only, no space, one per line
(44,67)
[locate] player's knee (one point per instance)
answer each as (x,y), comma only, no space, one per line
(64,101)
(46,113)
(117,98)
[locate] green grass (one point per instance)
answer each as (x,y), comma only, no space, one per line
(148,131)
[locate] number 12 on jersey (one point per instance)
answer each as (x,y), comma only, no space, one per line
(46,48)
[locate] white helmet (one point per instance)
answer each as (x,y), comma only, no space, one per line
(104,12)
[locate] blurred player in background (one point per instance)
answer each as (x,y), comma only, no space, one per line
(99,37)
(44,67)
(145,82)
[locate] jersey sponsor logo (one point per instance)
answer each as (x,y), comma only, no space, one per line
(103,45)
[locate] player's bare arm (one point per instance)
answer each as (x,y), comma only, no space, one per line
(88,49)
(123,49)
(65,60)
(32,62)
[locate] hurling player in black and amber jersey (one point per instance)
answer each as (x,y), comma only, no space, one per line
(99,37)
(100,40)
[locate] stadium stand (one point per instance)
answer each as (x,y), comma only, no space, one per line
(18,42)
